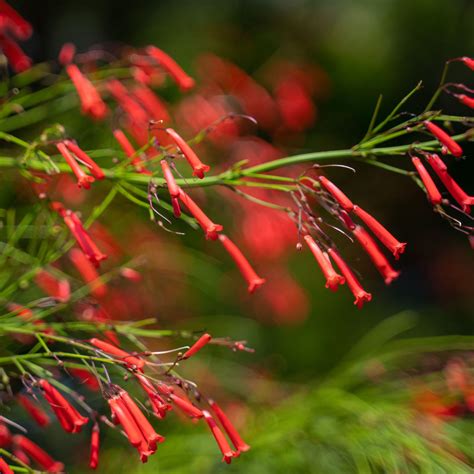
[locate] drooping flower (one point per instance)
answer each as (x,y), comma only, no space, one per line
(460,196)
(83,180)
(18,60)
(184,81)
(128,149)
(361,296)
(377,257)
(17,25)
(221,441)
(85,377)
(466,100)
(197,346)
(151,103)
(381,232)
(469,62)
(131,361)
(40,456)
(66,54)
(186,406)
(206,224)
(88,272)
(333,279)
(4,467)
(95,445)
(434,196)
(58,288)
(336,193)
(173,188)
(253,280)
(91,101)
(69,418)
(239,444)
(34,410)
(199,168)
(159,405)
(443,138)
(82,156)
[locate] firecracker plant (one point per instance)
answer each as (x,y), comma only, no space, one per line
(58,323)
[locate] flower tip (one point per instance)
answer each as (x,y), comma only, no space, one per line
(391,276)
(334,281)
(200,169)
(399,249)
(255,284)
(187,83)
(362,298)
(212,231)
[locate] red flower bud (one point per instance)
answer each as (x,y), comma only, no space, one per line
(173,188)
(18,60)
(219,437)
(443,138)
(95,444)
(66,55)
(197,346)
(55,287)
(33,451)
(186,406)
(336,193)
(333,279)
(434,196)
(465,99)
(19,27)
(34,410)
(88,272)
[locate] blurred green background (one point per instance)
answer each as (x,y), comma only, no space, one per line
(366,47)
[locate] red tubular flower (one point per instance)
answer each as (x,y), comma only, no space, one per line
(83,180)
(34,410)
(465,99)
(333,279)
(206,224)
(128,149)
(131,361)
(91,101)
(186,406)
(86,159)
(197,346)
(336,193)
(240,445)
(33,451)
(159,406)
(66,54)
(361,296)
(55,287)
(443,138)
(95,444)
(381,232)
(199,168)
(377,257)
(219,437)
(18,60)
(5,436)
(469,62)
(88,272)
(184,81)
(126,420)
(434,196)
(85,377)
(4,467)
(151,436)
(173,188)
(20,28)
(21,455)
(461,197)
(71,420)
(151,103)
(253,280)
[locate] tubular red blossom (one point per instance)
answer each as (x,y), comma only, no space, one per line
(88,272)
(381,232)
(377,257)
(469,62)
(130,274)
(186,406)
(85,377)
(159,406)
(240,445)
(461,197)
(253,280)
(95,445)
(91,101)
(434,196)
(40,456)
(443,138)
(34,410)
(151,436)
(55,287)
(206,224)
(5,436)
(198,345)
(219,437)
(66,54)
(465,99)
(199,168)
(128,149)
(333,279)
(152,104)
(361,296)
(173,188)
(184,81)
(83,180)
(336,193)
(20,28)
(18,60)
(131,361)
(86,159)
(4,467)
(62,408)
(131,429)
